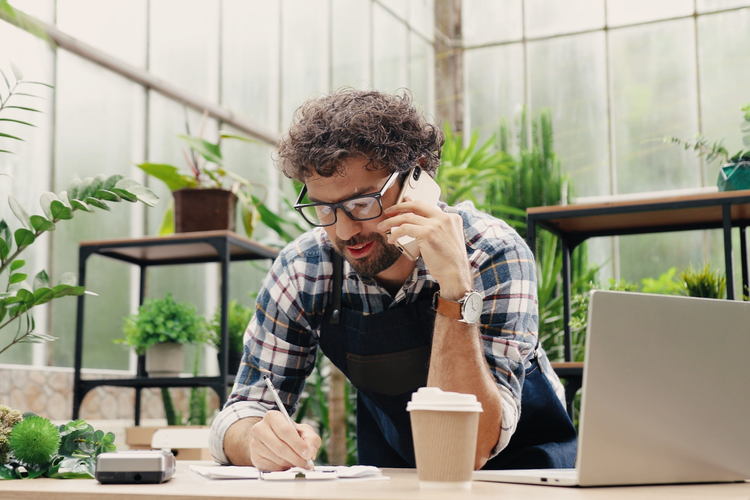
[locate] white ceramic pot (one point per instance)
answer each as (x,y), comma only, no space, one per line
(165,359)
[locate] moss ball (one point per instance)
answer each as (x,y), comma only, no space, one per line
(34,440)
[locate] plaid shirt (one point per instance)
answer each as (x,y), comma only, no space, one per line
(283,335)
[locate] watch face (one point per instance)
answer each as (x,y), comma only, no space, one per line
(472,308)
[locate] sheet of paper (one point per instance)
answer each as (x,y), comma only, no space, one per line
(321,472)
(225,471)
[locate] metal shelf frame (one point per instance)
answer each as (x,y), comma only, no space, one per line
(221,247)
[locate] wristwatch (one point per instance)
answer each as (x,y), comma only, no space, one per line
(467,309)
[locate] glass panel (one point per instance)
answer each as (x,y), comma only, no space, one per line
(651,255)
(389,52)
(545,17)
(621,12)
(724,71)
(422,17)
(488,21)
(714,5)
(31,165)
(494,79)
(305,53)
(422,73)
(568,75)
(97,118)
(250,60)
(654,96)
(350,44)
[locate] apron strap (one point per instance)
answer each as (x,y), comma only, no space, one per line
(338,278)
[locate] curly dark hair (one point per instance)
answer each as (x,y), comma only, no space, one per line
(348,123)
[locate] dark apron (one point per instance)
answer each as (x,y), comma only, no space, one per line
(386,357)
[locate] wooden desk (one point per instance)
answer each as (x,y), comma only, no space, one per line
(402,485)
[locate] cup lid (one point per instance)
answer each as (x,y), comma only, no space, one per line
(433,399)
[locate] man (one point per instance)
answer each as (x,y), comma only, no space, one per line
(372,312)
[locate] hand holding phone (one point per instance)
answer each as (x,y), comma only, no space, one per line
(417,186)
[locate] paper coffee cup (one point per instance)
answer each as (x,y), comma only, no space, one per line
(444,428)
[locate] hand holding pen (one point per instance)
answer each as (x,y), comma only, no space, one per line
(283,411)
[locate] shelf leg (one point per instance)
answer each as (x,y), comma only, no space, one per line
(83,254)
(566,299)
(726,211)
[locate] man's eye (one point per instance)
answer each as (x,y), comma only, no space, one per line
(324,209)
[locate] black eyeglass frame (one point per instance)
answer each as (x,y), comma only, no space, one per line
(299,206)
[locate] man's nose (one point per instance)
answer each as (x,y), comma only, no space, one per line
(346,227)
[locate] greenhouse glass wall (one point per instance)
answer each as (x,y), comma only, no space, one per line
(617,75)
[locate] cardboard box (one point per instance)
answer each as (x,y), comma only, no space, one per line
(139,438)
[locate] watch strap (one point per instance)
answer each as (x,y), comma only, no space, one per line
(445,307)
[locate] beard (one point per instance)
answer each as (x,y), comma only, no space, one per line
(382,256)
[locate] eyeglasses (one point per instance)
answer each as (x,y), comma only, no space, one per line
(359,208)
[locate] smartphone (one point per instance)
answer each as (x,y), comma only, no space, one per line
(417,186)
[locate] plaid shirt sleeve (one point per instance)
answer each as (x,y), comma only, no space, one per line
(504,272)
(280,339)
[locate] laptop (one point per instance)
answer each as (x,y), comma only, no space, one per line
(666,394)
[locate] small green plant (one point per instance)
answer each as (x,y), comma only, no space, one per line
(8,418)
(239,317)
(666,284)
(38,448)
(704,282)
(164,320)
(207,170)
(716,150)
(34,440)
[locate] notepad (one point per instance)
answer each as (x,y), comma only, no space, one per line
(295,473)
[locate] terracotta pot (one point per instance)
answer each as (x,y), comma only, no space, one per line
(165,359)
(203,210)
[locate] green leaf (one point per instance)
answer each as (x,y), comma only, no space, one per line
(107,195)
(17,121)
(43,295)
(126,183)
(5,231)
(41,280)
(145,195)
(63,197)
(16,71)
(81,191)
(11,136)
(20,212)
(208,150)
(7,83)
(78,204)
(73,188)
(60,211)
(167,223)
(17,278)
(38,83)
(4,250)
(27,297)
(228,135)
(23,108)
(168,174)
(17,264)
(125,195)
(111,182)
(24,237)
(68,279)
(45,201)
(40,223)
(67,290)
(96,203)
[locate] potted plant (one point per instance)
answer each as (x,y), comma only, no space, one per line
(238,318)
(160,329)
(205,196)
(734,173)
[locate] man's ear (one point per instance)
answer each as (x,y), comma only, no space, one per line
(421,161)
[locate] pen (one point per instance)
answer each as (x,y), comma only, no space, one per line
(282,409)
